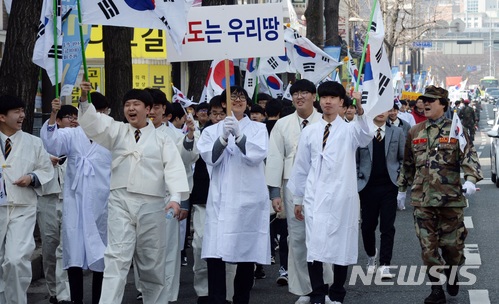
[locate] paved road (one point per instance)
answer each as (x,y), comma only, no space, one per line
(482,258)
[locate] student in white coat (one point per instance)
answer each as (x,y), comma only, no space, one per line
(146,164)
(189,154)
(49,208)
(282,149)
(86,191)
(237,210)
(25,166)
(324,184)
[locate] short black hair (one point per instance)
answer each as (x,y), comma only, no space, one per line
(403,102)
(139,94)
(178,111)
(216,102)
(99,101)
(256,108)
(287,110)
(203,105)
(235,89)
(10,102)
(347,102)
(273,107)
(331,88)
(303,85)
(263,96)
(67,110)
(158,96)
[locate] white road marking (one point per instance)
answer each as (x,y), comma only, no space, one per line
(468,222)
(472,254)
(479,296)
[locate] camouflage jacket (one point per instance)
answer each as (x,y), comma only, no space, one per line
(467,116)
(432,166)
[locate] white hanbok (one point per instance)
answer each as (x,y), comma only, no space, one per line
(326,181)
(86,192)
(237,210)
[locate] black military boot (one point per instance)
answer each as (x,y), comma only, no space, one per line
(452,282)
(437,295)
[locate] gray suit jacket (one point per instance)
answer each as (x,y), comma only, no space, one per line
(404,125)
(394,153)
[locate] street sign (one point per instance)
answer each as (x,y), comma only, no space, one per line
(422,44)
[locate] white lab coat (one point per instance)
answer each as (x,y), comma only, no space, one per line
(86,191)
(326,181)
(282,150)
(237,210)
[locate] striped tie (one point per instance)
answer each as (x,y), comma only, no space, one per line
(8,147)
(137,135)
(378,135)
(326,134)
(304,124)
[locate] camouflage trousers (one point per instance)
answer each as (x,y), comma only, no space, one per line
(440,228)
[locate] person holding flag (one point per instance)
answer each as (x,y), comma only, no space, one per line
(434,157)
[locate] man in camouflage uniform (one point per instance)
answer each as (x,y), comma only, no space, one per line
(432,165)
(467,116)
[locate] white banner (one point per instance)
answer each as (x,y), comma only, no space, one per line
(231,31)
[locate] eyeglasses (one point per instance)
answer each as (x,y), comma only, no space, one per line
(218,114)
(71,118)
(300,93)
(430,100)
(203,111)
(241,97)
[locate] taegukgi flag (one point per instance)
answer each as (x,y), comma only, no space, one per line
(164,14)
(456,131)
(377,94)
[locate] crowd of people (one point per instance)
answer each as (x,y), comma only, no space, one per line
(273,180)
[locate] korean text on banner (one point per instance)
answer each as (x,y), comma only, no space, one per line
(231,31)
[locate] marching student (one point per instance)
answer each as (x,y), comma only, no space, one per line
(237,210)
(282,150)
(145,166)
(49,208)
(324,184)
(378,165)
(25,166)
(86,191)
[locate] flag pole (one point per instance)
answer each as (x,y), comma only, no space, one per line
(82,45)
(364,49)
(256,89)
(227,87)
(56,55)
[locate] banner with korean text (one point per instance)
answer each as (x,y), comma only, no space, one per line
(231,31)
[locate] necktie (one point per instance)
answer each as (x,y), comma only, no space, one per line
(326,135)
(304,124)
(8,147)
(137,135)
(378,135)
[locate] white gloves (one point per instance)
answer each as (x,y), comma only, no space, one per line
(401,200)
(232,124)
(227,130)
(469,188)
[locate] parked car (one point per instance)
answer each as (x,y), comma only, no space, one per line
(494,151)
(491,94)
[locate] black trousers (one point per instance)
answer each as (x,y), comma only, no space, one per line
(75,278)
(279,227)
(243,282)
(337,290)
(379,202)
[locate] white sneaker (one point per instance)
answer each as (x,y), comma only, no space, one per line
(384,272)
(303,300)
(371,263)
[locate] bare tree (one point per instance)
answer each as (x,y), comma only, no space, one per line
(331,17)
(315,22)
(118,66)
(18,74)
